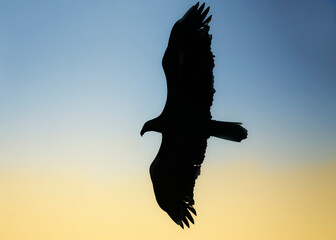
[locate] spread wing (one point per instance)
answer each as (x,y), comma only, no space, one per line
(173,173)
(188,64)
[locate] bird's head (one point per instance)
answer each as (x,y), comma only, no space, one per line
(145,128)
(151,125)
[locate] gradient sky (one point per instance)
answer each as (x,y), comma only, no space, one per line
(79,78)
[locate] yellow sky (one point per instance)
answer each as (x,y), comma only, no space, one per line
(241,201)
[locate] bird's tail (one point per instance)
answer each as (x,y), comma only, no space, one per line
(232,131)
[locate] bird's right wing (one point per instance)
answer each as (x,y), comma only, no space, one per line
(174,172)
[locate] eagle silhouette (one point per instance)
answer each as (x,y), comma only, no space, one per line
(186,122)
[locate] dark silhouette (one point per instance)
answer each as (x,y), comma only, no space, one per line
(185,122)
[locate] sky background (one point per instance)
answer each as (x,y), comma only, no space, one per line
(79,78)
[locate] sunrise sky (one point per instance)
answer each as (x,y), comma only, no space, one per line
(79,78)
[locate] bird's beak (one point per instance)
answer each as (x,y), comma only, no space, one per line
(142,133)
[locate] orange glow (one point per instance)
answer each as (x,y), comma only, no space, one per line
(233,202)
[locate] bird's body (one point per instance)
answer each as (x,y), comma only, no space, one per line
(186,122)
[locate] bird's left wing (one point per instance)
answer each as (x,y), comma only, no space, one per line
(188,65)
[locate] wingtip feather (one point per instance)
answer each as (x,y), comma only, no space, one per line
(201,8)
(179,222)
(188,215)
(206,11)
(206,21)
(185,221)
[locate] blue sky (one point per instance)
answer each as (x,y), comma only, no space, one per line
(79,78)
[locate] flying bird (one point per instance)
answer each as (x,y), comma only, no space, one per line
(186,122)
